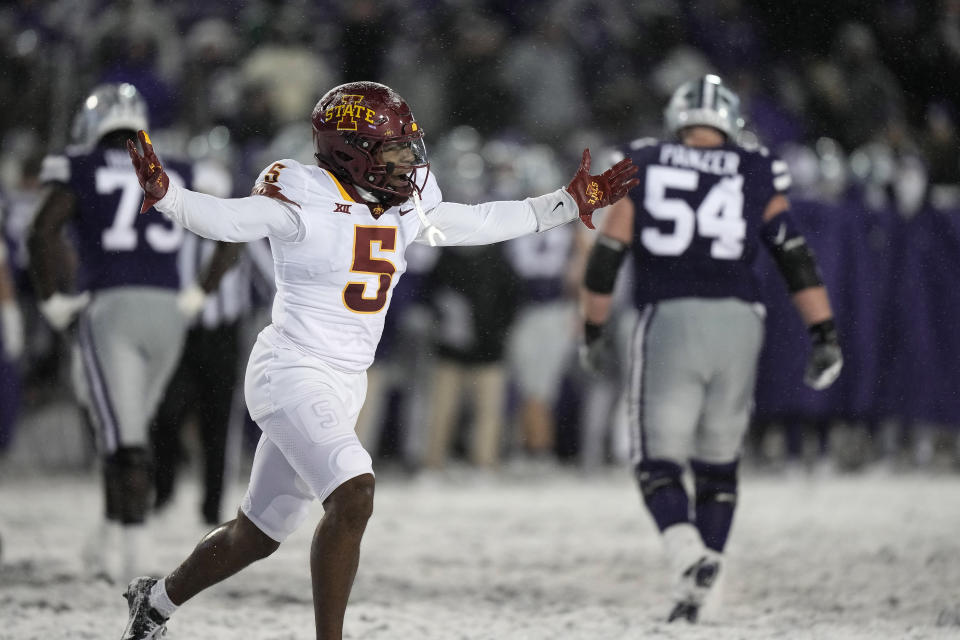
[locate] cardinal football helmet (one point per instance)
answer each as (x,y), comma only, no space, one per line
(355,125)
(109,107)
(705,101)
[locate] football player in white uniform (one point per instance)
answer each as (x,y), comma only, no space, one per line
(338,232)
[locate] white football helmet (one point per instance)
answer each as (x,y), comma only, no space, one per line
(109,107)
(705,101)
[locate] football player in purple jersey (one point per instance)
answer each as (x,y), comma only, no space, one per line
(704,206)
(126,295)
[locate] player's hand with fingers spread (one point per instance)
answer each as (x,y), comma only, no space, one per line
(153,179)
(595,192)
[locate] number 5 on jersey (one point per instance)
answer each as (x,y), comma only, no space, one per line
(364,262)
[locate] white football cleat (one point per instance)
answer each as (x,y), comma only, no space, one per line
(694,586)
(145,622)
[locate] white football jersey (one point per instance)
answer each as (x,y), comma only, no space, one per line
(336,262)
(335,280)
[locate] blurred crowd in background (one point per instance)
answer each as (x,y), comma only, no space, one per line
(859,97)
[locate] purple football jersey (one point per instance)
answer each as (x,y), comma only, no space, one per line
(117,245)
(698,218)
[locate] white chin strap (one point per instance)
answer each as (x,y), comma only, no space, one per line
(434,235)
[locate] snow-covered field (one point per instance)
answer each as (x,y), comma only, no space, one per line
(555,556)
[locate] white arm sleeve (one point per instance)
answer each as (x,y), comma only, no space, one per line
(490,222)
(233,220)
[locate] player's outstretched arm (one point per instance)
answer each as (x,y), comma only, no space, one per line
(229,220)
(489,222)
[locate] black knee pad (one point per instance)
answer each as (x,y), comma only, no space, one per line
(127,473)
(656,475)
(715,482)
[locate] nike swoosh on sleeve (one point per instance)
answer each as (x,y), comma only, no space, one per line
(402,212)
(558,205)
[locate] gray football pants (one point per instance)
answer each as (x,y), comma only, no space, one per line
(692,376)
(129,342)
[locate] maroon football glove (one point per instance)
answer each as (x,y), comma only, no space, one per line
(595,192)
(153,179)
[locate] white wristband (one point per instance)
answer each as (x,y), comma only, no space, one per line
(554,209)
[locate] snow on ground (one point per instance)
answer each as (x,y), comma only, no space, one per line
(555,556)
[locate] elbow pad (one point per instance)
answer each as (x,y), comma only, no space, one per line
(790,251)
(603,264)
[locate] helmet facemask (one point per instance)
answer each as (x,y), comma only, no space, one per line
(392,175)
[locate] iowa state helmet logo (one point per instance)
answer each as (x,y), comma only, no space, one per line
(349,112)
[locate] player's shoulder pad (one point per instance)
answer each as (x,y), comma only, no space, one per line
(763,157)
(284,180)
(55,168)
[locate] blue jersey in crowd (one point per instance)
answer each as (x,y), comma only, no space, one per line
(698,218)
(116,245)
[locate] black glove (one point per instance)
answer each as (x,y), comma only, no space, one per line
(826,359)
(596,353)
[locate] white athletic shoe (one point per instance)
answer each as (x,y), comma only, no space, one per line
(694,585)
(145,622)
(695,569)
